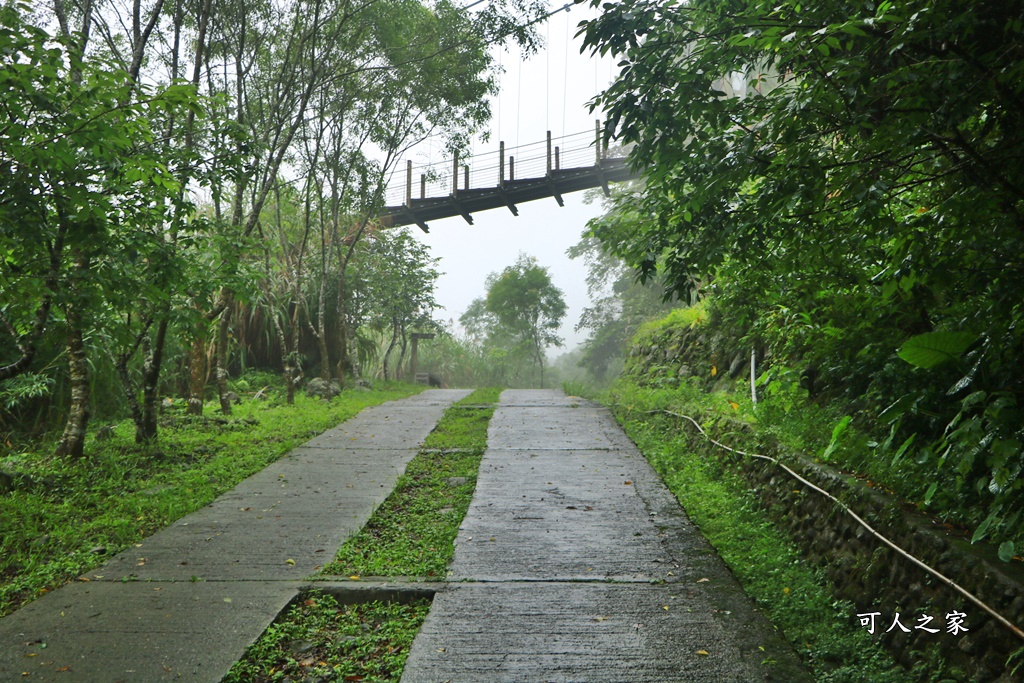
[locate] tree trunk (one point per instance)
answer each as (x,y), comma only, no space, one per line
(147,429)
(222,360)
(197,372)
(391,347)
(344,365)
(72,441)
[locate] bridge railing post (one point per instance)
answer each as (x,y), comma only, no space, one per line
(511,168)
(465,171)
(455,174)
(557,164)
(597,142)
(549,153)
(501,164)
(408,183)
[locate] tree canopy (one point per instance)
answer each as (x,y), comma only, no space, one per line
(843,179)
(520,315)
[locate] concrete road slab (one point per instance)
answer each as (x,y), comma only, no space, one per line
(579,565)
(592,633)
(248,552)
(105,632)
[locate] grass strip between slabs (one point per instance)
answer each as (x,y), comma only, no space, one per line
(319,640)
(413,532)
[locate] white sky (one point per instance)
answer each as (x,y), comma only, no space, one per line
(549,91)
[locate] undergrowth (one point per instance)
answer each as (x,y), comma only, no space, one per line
(66,517)
(413,532)
(319,640)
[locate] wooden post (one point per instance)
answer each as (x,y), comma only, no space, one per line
(423,186)
(465,172)
(408,183)
(549,152)
(511,168)
(557,165)
(501,164)
(414,358)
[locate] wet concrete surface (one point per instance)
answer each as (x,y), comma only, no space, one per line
(186,602)
(575,563)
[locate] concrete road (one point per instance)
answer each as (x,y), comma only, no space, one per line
(575,563)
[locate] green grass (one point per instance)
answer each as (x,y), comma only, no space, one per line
(319,640)
(796,598)
(120,492)
(413,532)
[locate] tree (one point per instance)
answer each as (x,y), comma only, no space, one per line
(521,312)
(84,180)
(847,177)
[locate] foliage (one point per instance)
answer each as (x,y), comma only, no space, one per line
(413,532)
(619,304)
(63,509)
(844,178)
(319,639)
(519,317)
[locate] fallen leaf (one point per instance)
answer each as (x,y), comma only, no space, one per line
(714,370)
(84,578)
(665,607)
(440,649)
(704,580)
(354,577)
(32,654)
(227,599)
(628,483)
(735,406)
(289,561)
(166,668)
(310,603)
(786,590)
(703,652)
(64,668)
(601,618)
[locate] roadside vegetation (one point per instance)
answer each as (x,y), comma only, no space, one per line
(65,517)
(413,532)
(797,599)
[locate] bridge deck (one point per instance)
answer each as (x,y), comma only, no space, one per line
(509,193)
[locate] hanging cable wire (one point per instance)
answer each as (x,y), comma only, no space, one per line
(565,72)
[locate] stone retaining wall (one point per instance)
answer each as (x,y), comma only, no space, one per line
(877,579)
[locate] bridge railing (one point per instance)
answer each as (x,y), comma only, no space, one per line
(489,169)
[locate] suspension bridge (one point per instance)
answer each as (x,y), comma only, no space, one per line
(503,178)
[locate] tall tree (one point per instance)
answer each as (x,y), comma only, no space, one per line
(522,311)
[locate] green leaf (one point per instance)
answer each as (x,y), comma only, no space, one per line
(837,432)
(933,349)
(982,530)
(1006,551)
(930,492)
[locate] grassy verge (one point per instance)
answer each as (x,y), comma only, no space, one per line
(68,516)
(413,532)
(796,598)
(320,640)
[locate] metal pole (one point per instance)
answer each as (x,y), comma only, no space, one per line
(465,171)
(423,186)
(455,174)
(511,168)
(597,142)
(408,183)
(557,165)
(549,152)
(501,163)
